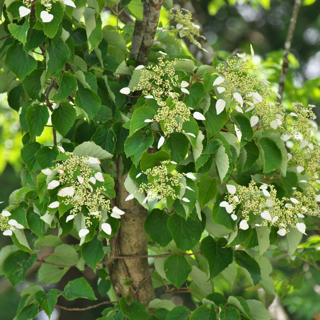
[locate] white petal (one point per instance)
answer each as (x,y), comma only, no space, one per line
(162,53)
(258,225)
(229,208)
(218,81)
(70,217)
(190,176)
(238,108)
(61,149)
(93,180)
(114,215)
(6,213)
(275,219)
(256,97)
(173,162)
(300,169)
(234,217)
(238,133)
(125,90)
(160,143)
(303,144)
(191,134)
(241,55)
(266,215)
(68,191)
(80,179)
(221,89)
(149,96)
(310,146)
(138,175)
(286,137)
(223,204)
(94,213)
(189,188)
(318,198)
(263,187)
(47,172)
(145,200)
(53,184)
(23,11)
(281,224)
(53,205)
(129,197)
(141,66)
(185,90)
(148,120)
(251,108)
(185,200)
(244,225)
(220,105)
(184,84)
(197,115)
(69,3)
(117,211)
(171,95)
(294,200)
(269,203)
(300,215)
(266,193)
(231,188)
(99,176)
(254,120)
(301,227)
(8,232)
(303,181)
(93,160)
(19,226)
(304,209)
(46,16)
(12,222)
(274,124)
(61,171)
(179,26)
(289,156)
(293,114)
(251,50)
(83,233)
(238,98)
(106,228)
(282,232)
(236,199)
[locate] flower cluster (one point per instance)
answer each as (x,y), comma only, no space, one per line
(8,225)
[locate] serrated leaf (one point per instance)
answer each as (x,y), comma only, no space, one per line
(67,85)
(177,269)
(78,288)
(37,118)
(136,8)
(271,155)
(257,310)
(249,263)
(172,141)
(27,155)
(293,239)
(63,118)
(214,123)
(244,126)
(47,300)
(229,313)
(248,156)
(151,160)
(222,162)
(178,313)
(19,31)
(208,189)
(32,83)
(138,118)
(204,313)
(89,148)
(46,156)
(263,238)
(135,310)
(92,252)
(88,100)
(93,28)
(241,304)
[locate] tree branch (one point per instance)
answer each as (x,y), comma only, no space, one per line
(287,47)
(87,308)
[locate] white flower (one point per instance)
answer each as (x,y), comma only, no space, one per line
(191,134)
(275,219)
(234,217)
(179,26)
(80,179)
(269,203)
(129,197)
(275,123)
(238,108)
(223,204)
(69,3)
(184,84)
(93,180)
(46,16)
(254,120)
(300,169)
(162,53)
(294,200)
(173,162)
(138,175)
(70,217)
(300,215)
(185,200)
(23,11)
(12,222)
(8,232)
(236,199)
(231,188)
(184,90)
(256,97)
(106,228)
(289,156)
(99,176)
(61,149)
(303,144)
(218,81)
(53,184)
(47,172)
(6,213)
(125,90)
(149,96)
(220,105)
(266,215)
(83,233)
(221,89)
(251,50)
(117,211)
(241,55)
(61,171)
(301,227)
(160,142)
(238,98)
(148,120)
(266,193)
(198,116)
(282,232)
(141,66)
(189,188)
(244,225)
(238,133)
(53,205)
(293,114)
(229,208)
(93,160)
(68,191)
(190,176)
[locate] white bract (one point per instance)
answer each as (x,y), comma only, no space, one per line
(160,142)
(125,90)
(184,84)
(117,213)
(191,134)
(256,97)
(138,175)
(238,98)
(149,96)
(184,90)
(218,81)
(241,55)
(238,108)
(148,120)
(7,233)
(282,232)
(231,188)
(106,228)
(301,227)
(61,149)
(303,144)
(254,120)
(294,200)
(46,17)
(234,217)
(6,213)
(53,184)
(68,191)
(185,200)
(266,215)
(221,89)
(53,205)
(275,123)
(23,11)
(94,213)
(70,217)
(93,180)
(251,50)
(190,176)
(47,172)
(69,3)
(300,169)
(198,116)
(238,133)
(141,66)
(244,225)
(80,179)
(275,219)
(93,160)
(129,197)
(99,176)
(220,105)
(83,233)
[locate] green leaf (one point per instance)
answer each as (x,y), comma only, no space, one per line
(92,252)
(32,83)
(173,140)
(89,101)
(134,311)
(244,126)
(34,39)
(37,118)
(48,240)
(90,149)
(46,156)
(27,155)
(229,313)
(177,269)
(50,28)
(93,28)
(57,56)
(222,162)
(258,311)
(104,286)
(28,312)
(4,253)
(67,85)
(64,255)
(63,118)
(214,123)
(178,313)
(26,63)
(263,239)
(16,265)
(186,233)
(208,189)
(47,300)
(204,313)
(35,224)
(156,227)
(137,144)
(293,239)
(217,254)
(157,304)
(114,39)
(19,31)
(196,91)
(248,156)
(201,280)
(241,304)
(78,288)
(289,181)
(138,118)
(136,9)
(271,155)
(249,263)
(151,160)
(51,274)
(19,239)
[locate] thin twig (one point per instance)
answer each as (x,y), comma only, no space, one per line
(287,47)
(87,308)
(49,105)
(9,35)
(55,264)
(234,52)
